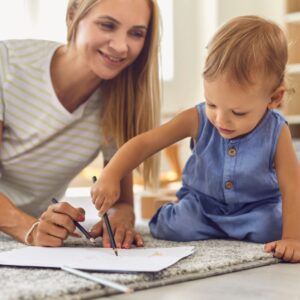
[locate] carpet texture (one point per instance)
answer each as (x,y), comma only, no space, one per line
(210,258)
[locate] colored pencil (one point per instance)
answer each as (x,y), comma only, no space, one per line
(97,279)
(79,227)
(109,230)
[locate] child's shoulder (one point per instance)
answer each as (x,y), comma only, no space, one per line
(277,116)
(201,109)
(201,105)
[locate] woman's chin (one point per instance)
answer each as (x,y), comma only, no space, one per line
(108,75)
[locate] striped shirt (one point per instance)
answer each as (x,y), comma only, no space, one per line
(44,146)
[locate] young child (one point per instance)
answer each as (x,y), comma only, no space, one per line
(242,180)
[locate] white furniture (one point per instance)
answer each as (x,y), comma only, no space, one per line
(292,103)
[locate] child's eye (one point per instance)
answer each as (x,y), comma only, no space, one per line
(238,114)
(210,105)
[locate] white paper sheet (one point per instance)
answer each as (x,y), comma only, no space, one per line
(96,259)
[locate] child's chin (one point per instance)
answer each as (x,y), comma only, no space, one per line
(229,135)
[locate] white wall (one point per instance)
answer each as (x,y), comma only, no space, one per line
(194,23)
(271,9)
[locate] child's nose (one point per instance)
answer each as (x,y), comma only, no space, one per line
(222,119)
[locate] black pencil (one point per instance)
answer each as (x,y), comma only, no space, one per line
(110,233)
(84,231)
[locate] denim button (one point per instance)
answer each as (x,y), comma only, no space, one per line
(232,151)
(228,185)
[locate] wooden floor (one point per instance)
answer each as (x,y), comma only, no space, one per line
(281,281)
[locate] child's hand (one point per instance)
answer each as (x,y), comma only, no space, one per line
(122,224)
(104,194)
(287,249)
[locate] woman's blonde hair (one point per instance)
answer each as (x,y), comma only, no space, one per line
(245,47)
(132,98)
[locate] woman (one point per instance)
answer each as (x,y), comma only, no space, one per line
(62,104)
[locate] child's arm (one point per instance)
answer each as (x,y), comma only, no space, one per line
(288,174)
(107,189)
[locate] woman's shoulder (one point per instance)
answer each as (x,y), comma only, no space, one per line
(26,50)
(18,44)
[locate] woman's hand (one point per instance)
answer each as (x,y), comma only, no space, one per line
(105,193)
(121,218)
(286,249)
(56,224)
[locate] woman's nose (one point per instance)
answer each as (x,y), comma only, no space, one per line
(119,45)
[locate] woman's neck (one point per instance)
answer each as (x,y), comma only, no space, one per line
(72,81)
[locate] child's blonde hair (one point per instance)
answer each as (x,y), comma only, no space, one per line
(132,98)
(245,47)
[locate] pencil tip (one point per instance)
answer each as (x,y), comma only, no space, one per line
(116,252)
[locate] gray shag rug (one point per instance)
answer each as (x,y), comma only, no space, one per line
(212,257)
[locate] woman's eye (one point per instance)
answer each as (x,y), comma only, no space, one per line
(107,26)
(138,34)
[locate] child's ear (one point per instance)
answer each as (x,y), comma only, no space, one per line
(276,98)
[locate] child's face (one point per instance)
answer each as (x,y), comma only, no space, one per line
(232,109)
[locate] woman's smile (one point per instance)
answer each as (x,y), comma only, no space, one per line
(112,60)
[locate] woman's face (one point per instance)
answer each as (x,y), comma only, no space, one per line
(112,35)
